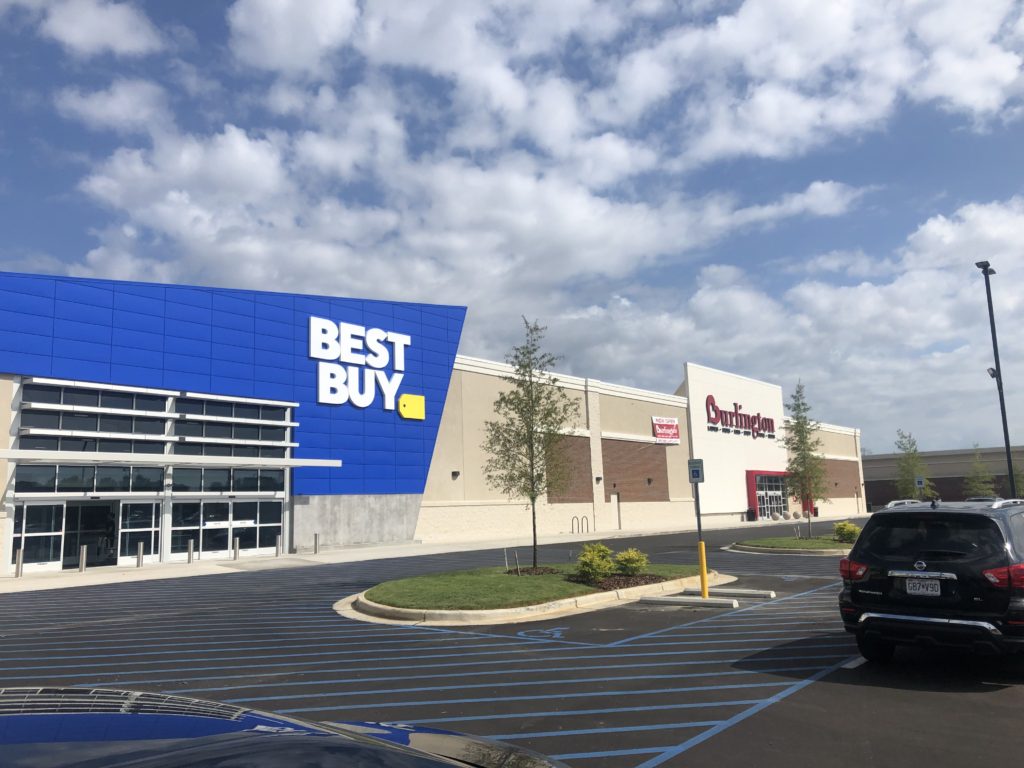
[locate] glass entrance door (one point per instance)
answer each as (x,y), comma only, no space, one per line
(212,527)
(93,526)
(38,529)
(140,524)
(772,502)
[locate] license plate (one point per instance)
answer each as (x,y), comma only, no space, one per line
(926,587)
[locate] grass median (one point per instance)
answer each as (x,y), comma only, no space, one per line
(484,589)
(789,542)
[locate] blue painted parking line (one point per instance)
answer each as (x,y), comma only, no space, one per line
(668,754)
(591,731)
(560,713)
(524,683)
(488,673)
(563,695)
(610,753)
(176,670)
(515,642)
(729,614)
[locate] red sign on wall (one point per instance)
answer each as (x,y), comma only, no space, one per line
(666,430)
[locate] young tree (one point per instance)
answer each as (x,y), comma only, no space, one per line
(909,467)
(805,466)
(979,481)
(521,443)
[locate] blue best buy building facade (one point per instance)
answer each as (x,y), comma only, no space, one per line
(151,420)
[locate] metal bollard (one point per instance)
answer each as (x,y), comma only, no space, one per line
(277,546)
(191,549)
(83,553)
(235,547)
(142,549)
(19,563)
(316,543)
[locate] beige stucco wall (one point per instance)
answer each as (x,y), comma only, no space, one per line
(838,444)
(468,406)
(466,509)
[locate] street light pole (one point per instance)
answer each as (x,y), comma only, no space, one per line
(987,271)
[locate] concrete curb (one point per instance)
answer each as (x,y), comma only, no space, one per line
(697,600)
(359,608)
(777,551)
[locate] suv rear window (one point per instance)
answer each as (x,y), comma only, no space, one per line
(939,536)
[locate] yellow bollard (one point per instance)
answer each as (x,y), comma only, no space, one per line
(703,570)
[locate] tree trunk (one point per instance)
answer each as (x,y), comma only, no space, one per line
(533,510)
(809,511)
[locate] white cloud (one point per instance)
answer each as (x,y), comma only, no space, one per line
(857,264)
(126,106)
(490,154)
(778,77)
(290,36)
(91,27)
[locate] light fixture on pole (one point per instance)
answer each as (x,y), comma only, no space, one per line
(997,373)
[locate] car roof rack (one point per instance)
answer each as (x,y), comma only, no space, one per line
(1007,503)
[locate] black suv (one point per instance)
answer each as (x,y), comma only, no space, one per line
(951,574)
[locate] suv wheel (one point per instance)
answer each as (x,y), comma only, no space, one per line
(878,651)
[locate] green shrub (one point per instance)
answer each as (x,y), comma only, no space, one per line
(846,533)
(631,561)
(594,563)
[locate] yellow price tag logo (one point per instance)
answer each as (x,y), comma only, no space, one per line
(412,407)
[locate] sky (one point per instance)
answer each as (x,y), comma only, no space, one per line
(791,190)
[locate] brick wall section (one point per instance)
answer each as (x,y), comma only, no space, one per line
(843,478)
(627,467)
(579,485)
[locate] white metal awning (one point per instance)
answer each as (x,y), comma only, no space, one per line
(156,459)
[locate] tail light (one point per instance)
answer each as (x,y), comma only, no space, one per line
(854,571)
(1009,576)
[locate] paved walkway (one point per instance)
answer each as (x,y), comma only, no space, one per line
(118,575)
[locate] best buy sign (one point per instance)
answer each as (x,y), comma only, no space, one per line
(353,359)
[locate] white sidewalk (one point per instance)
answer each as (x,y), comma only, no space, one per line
(120,574)
(116,574)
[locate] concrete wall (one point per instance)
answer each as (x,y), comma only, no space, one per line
(347,520)
(8,431)
(946,469)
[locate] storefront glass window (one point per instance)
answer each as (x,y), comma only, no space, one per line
(72,479)
(147,479)
(113,478)
(188,480)
(40,393)
(74,396)
(216,479)
(34,478)
(79,422)
(150,403)
(40,419)
(271,480)
(122,400)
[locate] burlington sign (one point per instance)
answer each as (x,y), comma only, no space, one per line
(737,421)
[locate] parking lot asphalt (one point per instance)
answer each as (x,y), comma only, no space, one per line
(636,685)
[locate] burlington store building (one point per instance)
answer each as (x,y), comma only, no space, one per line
(156,420)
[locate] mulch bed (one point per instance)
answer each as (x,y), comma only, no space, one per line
(624,582)
(617,581)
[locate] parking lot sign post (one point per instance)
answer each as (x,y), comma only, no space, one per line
(695,470)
